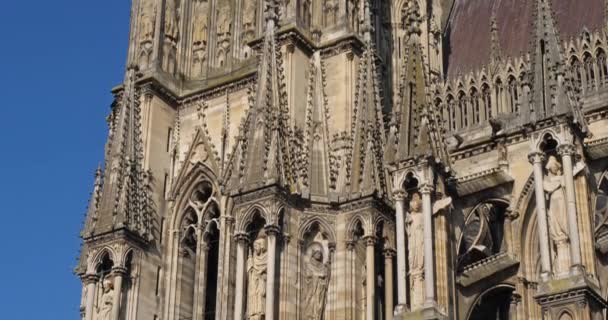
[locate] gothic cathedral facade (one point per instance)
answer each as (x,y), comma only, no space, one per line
(354,160)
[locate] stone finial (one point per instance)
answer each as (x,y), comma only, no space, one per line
(495,51)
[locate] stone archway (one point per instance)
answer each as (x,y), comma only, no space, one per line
(493,304)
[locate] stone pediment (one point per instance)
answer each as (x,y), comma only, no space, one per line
(201,152)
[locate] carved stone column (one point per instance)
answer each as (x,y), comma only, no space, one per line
(200,277)
(90,280)
(118,273)
(388,283)
(401,249)
(566,151)
(515,299)
(241,255)
(429,275)
(271,231)
(370,282)
(350,280)
(537,158)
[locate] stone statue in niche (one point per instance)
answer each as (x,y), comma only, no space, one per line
(554,185)
(330,12)
(107,300)
(201,19)
(171,30)
(148,19)
(415,232)
(171,20)
(363,296)
(249,14)
(223,19)
(316,281)
(256,272)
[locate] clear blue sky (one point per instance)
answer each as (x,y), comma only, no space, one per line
(58,62)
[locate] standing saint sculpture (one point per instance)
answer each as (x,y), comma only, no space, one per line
(316,280)
(199,37)
(554,185)
(256,272)
(107,300)
(415,231)
(148,18)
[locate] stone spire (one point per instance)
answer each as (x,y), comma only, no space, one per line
(495,51)
(268,155)
(553,91)
(121,200)
(416,131)
(366,173)
(317,176)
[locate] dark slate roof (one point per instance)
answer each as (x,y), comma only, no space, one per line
(469,37)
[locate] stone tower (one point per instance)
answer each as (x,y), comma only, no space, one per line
(354,160)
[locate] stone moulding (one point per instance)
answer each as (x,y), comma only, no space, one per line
(485,268)
(482,181)
(597,149)
(568,289)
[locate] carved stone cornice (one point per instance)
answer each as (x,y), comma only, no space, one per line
(349,44)
(118,236)
(222,86)
(152,86)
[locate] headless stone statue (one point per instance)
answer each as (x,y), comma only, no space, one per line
(315,282)
(256,271)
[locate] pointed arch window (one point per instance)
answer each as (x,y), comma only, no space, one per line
(577,70)
(499,94)
(197,255)
(475,106)
(462,110)
(452,112)
(589,66)
(602,67)
(513,94)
